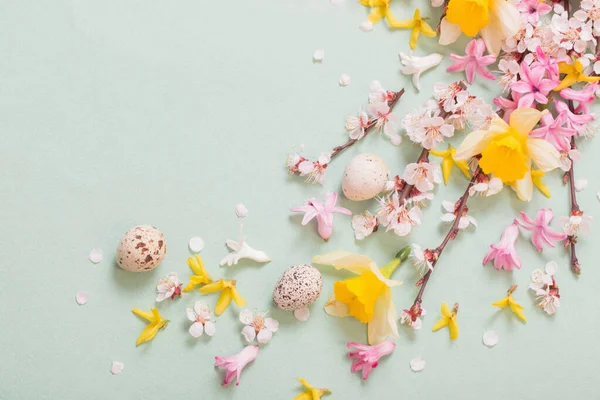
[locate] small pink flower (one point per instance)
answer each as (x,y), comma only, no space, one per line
(367,357)
(314,171)
(584,97)
(549,63)
(578,122)
(553,131)
(533,85)
(510,105)
(235,364)
(542,232)
(324,212)
(504,253)
(384,119)
(531,10)
(474,61)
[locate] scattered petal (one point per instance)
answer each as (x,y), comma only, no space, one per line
(490,338)
(417,364)
(337,2)
(345,80)
(241,211)
(117,367)
(81,298)
(302,314)
(96,255)
(319,55)
(366,26)
(581,184)
(196,244)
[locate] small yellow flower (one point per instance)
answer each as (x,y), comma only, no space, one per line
(200,277)
(510,302)
(157,322)
(311,393)
(536,177)
(448,319)
(418,26)
(381,9)
(228,292)
(448,162)
(573,73)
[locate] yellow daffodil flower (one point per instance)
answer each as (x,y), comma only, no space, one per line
(418,26)
(311,393)
(511,303)
(507,151)
(448,319)
(157,322)
(573,73)
(536,178)
(448,162)
(200,277)
(381,9)
(493,19)
(366,297)
(228,292)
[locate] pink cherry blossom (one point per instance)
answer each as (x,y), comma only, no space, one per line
(504,253)
(553,131)
(314,171)
(235,364)
(533,84)
(584,97)
(367,357)
(323,211)
(474,61)
(384,119)
(422,175)
(531,10)
(540,226)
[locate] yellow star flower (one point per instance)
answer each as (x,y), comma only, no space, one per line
(418,26)
(381,10)
(200,277)
(510,302)
(448,319)
(228,292)
(311,393)
(448,162)
(367,296)
(156,323)
(573,73)
(536,177)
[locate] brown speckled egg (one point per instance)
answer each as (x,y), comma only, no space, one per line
(298,287)
(364,177)
(142,248)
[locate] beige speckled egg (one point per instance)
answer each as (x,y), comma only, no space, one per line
(364,177)
(142,249)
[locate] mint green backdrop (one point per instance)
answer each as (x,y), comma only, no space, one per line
(122,112)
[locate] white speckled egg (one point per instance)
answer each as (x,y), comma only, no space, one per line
(142,249)
(364,177)
(298,287)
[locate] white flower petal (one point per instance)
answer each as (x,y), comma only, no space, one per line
(448,217)
(366,26)
(196,244)
(449,32)
(117,367)
(95,255)
(581,184)
(345,80)
(190,314)
(302,314)
(417,364)
(551,268)
(384,323)
(196,329)
(264,336)
(319,55)
(271,324)
(249,333)
(448,206)
(209,328)
(81,298)
(490,338)
(246,317)
(543,153)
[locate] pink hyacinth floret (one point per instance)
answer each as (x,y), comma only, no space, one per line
(235,364)
(504,253)
(543,234)
(367,357)
(473,62)
(323,211)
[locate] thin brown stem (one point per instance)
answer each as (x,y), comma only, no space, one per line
(451,235)
(337,150)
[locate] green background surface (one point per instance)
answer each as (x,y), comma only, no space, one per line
(120,112)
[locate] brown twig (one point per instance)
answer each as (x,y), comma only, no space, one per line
(451,235)
(337,150)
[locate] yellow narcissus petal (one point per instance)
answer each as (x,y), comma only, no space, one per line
(524,119)
(336,308)
(341,259)
(384,322)
(223,302)
(544,155)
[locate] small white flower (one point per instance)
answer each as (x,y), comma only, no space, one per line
(422,176)
(406,318)
(450,216)
(430,131)
(258,326)
(201,316)
(378,94)
(575,223)
(544,286)
(489,188)
(405,219)
(420,261)
(168,287)
(315,171)
(356,125)
(510,68)
(415,66)
(385,121)
(364,225)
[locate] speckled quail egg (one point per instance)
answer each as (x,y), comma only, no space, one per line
(364,177)
(298,287)
(141,249)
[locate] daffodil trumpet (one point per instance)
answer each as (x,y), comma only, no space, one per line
(366,296)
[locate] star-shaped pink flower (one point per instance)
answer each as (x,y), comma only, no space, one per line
(531,10)
(552,130)
(510,105)
(532,84)
(543,234)
(323,211)
(473,62)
